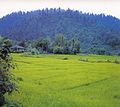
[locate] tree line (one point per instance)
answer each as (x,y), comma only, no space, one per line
(95,32)
(59,45)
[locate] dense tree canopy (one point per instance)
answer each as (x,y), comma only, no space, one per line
(93,31)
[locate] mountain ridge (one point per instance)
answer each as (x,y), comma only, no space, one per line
(93,31)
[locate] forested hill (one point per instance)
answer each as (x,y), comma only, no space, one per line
(94,31)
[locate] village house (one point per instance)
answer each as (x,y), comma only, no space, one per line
(17,48)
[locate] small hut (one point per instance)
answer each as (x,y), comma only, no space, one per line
(17,48)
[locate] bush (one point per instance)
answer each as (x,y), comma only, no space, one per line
(64,58)
(34,51)
(57,50)
(84,59)
(6,79)
(108,61)
(116,61)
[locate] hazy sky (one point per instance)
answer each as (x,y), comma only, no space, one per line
(109,7)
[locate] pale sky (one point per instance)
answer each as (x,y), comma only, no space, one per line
(108,7)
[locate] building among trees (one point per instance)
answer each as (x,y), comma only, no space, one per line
(17,48)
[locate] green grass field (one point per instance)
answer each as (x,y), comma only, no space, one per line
(65,81)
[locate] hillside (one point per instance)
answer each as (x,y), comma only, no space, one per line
(94,31)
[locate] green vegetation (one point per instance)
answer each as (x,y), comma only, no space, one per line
(6,78)
(98,34)
(71,78)
(67,81)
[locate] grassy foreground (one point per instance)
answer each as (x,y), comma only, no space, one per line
(65,81)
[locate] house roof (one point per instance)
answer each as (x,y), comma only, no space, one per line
(17,46)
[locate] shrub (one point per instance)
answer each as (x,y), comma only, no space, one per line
(64,58)
(34,51)
(108,61)
(84,59)
(58,50)
(6,79)
(116,61)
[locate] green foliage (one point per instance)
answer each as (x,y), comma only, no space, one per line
(42,44)
(5,42)
(64,46)
(22,43)
(60,40)
(75,46)
(117,61)
(99,51)
(59,45)
(84,59)
(1,41)
(88,28)
(6,78)
(58,50)
(34,51)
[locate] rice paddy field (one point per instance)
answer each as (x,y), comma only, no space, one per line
(67,81)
